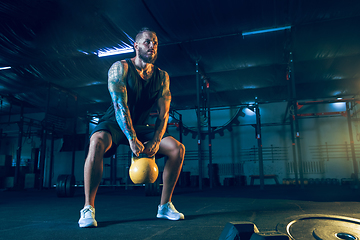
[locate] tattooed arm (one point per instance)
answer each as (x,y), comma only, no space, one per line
(163,105)
(118,92)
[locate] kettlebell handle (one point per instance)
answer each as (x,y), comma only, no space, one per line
(141,155)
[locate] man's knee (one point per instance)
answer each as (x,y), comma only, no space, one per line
(100,142)
(172,148)
(181,148)
(178,150)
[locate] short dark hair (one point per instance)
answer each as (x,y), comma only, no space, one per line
(142,30)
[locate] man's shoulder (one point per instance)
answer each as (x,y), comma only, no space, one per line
(119,65)
(163,73)
(118,69)
(120,62)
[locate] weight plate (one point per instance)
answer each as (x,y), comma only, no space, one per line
(60,186)
(70,186)
(340,231)
(320,227)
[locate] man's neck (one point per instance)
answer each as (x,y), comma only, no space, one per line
(145,70)
(140,64)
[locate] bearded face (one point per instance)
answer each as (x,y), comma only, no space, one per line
(147,46)
(148,55)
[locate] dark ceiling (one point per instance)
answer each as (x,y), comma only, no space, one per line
(44,43)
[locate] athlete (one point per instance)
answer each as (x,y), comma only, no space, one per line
(135,86)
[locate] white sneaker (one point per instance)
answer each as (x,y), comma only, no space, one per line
(87,217)
(168,211)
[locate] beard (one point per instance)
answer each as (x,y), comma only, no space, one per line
(147,58)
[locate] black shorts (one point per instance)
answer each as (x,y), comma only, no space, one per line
(143,132)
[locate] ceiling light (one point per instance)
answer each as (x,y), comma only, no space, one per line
(86,53)
(245,33)
(95,120)
(339,105)
(250,111)
(4,68)
(120,49)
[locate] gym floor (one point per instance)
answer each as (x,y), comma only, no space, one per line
(129,214)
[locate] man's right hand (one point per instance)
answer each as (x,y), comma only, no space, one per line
(136,146)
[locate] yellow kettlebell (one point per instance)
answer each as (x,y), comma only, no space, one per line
(143,169)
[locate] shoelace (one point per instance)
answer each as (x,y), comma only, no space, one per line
(87,210)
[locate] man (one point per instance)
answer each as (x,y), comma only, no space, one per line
(135,86)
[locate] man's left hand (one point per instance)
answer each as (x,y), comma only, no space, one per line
(151,148)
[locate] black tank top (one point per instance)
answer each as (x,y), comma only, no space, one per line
(142,95)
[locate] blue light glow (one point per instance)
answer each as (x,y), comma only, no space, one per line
(249,112)
(249,87)
(245,33)
(4,68)
(339,105)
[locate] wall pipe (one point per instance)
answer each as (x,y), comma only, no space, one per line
(51,156)
(211,173)
(18,151)
(42,157)
(290,104)
(74,138)
(259,141)
(43,141)
(198,88)
(294,150)
(296,121)
(353,155)
(180,128)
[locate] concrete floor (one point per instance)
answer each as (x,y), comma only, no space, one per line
(129,214)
